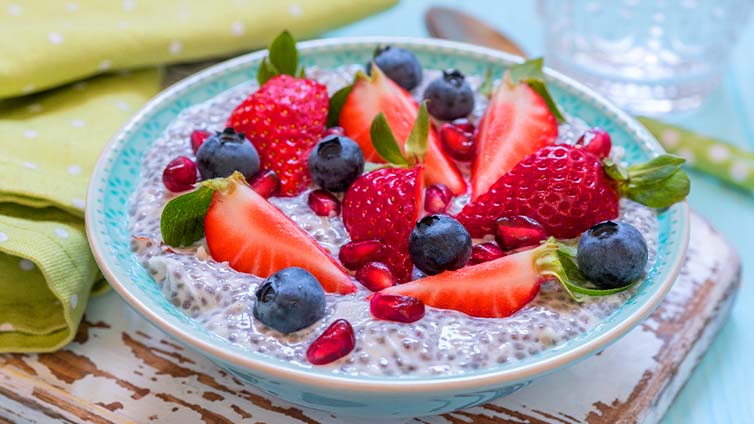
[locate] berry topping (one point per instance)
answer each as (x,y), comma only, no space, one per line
(197,138)
(225,152)
(284,119)
(512,232)
(265,182)
(384,205)
(612,254)
(255,237)
(391,307)
(516,123)
(289,300)
(179,175)
(400,65)
(337,341)
(324,203)
(333,131)
(375,276)
(437,198)
(449,96)
(485,252)
(378,94)
(458,140)
(353,255)
(596,141)
(439,243)
(335,162)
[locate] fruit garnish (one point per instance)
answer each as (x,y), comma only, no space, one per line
(337,341)
(197,138)
(224,153)
(182,219)
(437,198)
(265,182)
(289,300)
(400,65)
(285,117)
(179,175)
(458,140)
(335,162)
(450,96)
(517,122)
(375,276)
(596,141)
(513,232)
(501,287)
(439,243)
(391,307)
(371,96)
(324,203)
(612,254)
(566,189)
(485,252)
(353,255)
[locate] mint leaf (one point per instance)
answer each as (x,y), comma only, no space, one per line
(660,194)
(656,169)
(530,73)
(266,71)
(336,105)
(283,54)
(182,219)
(486,88)
(384,142)
(418,140)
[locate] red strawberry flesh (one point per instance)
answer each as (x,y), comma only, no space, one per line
(337,341)
(355,254)
(512,232)
(375,276)
(397,308)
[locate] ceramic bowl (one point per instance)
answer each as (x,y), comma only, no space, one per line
(117,173)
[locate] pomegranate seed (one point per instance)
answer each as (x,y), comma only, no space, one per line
(197,138)
(336,342)
(180,174)
(518,231)
(485,252)
(437,198)
(355,254)
(324,203)
(375,276)
(458,140)
(392,307)
(334,131)
(596,141)
(265,183)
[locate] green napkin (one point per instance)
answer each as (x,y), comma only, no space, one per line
(49,141)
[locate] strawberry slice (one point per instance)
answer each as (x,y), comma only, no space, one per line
(493,289)
(517,123)
(384,204)
(255,237)
(379,93)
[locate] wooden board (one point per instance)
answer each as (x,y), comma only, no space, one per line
(123,369)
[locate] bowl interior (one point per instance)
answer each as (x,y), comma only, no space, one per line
(118,171)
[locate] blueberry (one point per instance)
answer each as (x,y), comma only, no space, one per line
(439,243)
(225,152)
(449,96)
(289,300)
(400,65)
(612,254)
(335,162)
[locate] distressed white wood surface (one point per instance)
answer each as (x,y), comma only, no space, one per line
(123,369)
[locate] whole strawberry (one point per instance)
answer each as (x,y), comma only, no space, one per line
(568,189)
(384,204)
(285,118)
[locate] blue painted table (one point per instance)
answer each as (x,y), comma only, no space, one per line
(720,391)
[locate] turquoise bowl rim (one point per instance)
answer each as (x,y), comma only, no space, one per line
(497,376)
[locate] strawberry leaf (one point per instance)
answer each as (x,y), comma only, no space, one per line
(384,142)
(266,71)
(658,183)
(281,59)
(486,88)
(418,139)
(336,105)
(530,73)
(614,170)
(182,219)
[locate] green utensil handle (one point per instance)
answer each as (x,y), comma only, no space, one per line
(723,160)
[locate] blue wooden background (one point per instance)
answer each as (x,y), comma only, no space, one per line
(722,388)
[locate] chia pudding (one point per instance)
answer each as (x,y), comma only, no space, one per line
(444,342)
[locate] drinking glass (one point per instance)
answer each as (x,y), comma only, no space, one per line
(649,57)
